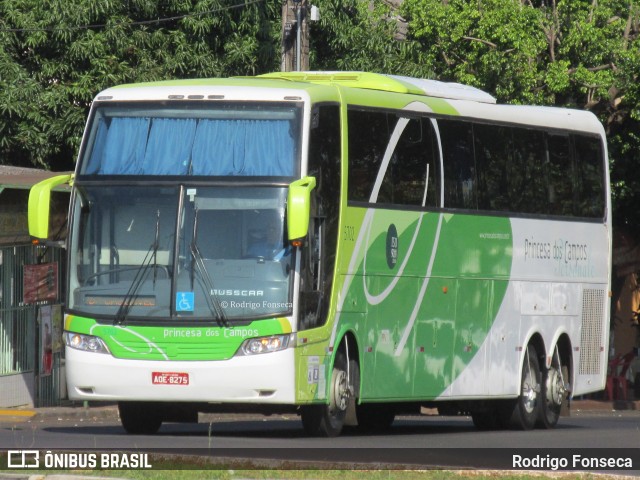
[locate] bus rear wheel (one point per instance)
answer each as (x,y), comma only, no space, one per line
(140,418)
(328,420)
(554,394)
(527,407)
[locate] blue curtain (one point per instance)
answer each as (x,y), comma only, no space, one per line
(243,147)
(125,144)
(169,146)
(164,146)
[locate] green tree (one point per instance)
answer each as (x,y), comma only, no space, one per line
(357,35)
(577,53)
(56,55)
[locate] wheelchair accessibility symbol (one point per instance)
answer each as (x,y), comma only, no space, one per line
(184,301)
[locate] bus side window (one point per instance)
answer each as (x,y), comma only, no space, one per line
(369,135)
(531,193)
(589,176)
(494,158)
(460,182)
(318,255)
(560,174)
(410,177)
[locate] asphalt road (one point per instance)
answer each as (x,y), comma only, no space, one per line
(417,442)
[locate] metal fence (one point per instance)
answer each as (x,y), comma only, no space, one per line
(19,330)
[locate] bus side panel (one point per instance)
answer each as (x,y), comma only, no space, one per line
(472,324)
(564,277)
(393,370)
(421,331)
(435,334)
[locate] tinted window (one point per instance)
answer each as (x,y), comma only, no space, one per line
(560,174)
(528,188)
(589,176)
(318,257)
(369,134)
(500,168)
(493,148)
(410,176)
(460,183)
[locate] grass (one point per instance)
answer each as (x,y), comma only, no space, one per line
(231,474)
(201,468)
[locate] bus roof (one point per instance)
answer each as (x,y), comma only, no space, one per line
(462,100)
(389,83)
(357,80)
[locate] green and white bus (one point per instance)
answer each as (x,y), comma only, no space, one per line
(346,245)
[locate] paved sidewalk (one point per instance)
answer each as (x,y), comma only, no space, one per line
(93,411)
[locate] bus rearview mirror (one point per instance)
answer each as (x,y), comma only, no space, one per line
(39,206)
(299,207)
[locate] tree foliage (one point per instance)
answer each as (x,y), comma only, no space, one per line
(577,53)
(56,55)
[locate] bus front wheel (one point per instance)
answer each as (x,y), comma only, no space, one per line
(140,418)
(328,420)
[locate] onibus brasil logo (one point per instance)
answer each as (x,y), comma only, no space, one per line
(21,459)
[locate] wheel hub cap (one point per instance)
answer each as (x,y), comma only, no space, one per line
(340,393)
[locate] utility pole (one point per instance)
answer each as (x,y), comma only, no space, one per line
(295,36)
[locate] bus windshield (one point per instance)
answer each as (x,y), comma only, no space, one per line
(182,138)
(180,252)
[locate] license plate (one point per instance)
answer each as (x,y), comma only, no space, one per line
(170,378)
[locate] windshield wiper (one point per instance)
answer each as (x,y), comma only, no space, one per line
(141,275)
(213,302)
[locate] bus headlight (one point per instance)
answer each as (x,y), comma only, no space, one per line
(273,343)
(86,343)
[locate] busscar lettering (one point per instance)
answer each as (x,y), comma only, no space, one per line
(237,293)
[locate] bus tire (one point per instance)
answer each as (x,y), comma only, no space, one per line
(140,418)
(554,394)
(327,420)
(526,409)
